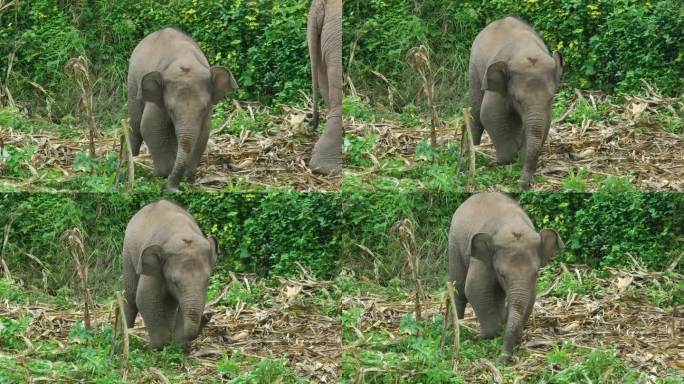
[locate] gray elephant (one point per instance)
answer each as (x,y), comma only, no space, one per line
(513,79)
(171,95)
(324,36)
(167,263)
(494,256)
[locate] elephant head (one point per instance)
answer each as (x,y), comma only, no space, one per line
(529,83)
(185,264)
(188,94)
(516,264)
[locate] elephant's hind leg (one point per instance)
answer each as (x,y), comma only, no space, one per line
(131,287)
(135,111)
(475,95)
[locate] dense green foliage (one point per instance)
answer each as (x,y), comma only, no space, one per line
(263,232)
(274,232)
(600,229)
(607,44)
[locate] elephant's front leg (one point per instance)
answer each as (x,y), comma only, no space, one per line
(157,131)
(484,295)
(197,152)
(154,305)
(502,125)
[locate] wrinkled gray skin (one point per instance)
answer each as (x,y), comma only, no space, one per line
(495,254)
(324,35)
(513,79)
(171,95)
(166,267)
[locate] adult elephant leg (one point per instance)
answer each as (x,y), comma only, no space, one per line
(318,74)
(327,153)
(158,134)
(153,302)
(475,94)
(499,121)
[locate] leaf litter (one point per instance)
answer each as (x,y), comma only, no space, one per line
(615,314)
(274,159)
(631,144)
(289,327)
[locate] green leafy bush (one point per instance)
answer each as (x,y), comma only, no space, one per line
(261,232)
(600,229)
(608,45)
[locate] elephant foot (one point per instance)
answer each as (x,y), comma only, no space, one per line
(171,188)
(524,184)
(326,159)
(506,358)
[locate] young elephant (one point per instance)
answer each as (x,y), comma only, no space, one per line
(171,95)
(495,254)
(513,79)
(324,32)
(167,264)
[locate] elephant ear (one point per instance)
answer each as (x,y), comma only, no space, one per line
(551,243)
(213,242)
(151,88)
(150,262)
(223,82)
(496,78)
(560,63)
(482,247)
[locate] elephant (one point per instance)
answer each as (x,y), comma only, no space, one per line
(324,37)
(512,82)
(494,256)
(167,263)
(172,91)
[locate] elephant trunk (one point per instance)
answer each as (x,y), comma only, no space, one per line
(536,124)
(192,315)
(520,301)
(186,135)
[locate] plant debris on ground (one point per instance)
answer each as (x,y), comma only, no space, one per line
(567,325)
(282,323)
(251,158)
(603,140)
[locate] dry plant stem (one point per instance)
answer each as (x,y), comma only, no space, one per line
(422,63)
(74,245)
(446,322)
(408,241)
(119,159)
(467,118)
(5,240)
(124,334)
(82,76)
(115,329)
(130,186)
(451,292)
